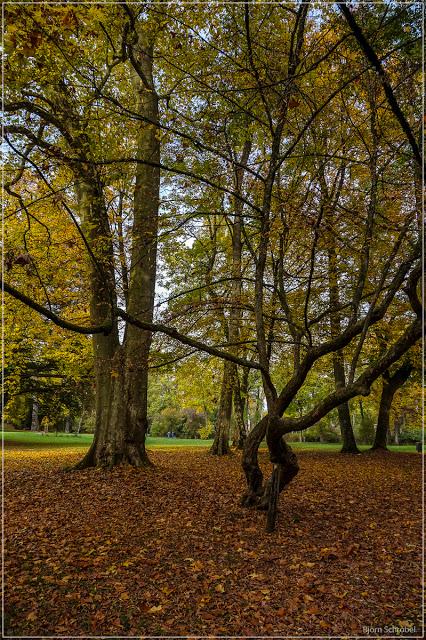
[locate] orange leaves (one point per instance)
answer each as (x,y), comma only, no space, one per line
(196,566)
(101,554)
(257,576)
(329,553)
(156,609)
(293,103)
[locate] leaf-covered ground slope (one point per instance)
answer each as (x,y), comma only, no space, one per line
(169,551)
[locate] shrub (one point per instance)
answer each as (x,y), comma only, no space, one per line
(410,434)
(366,429)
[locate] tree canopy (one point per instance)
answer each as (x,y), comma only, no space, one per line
(234,186)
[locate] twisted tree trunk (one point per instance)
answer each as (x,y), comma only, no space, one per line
(264,495)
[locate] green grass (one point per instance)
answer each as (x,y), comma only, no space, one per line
(319,446)
(29,439)
(177,442)
(36,440)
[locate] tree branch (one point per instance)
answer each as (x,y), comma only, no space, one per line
(360,387)
(106,328)
(371,56)
(146,326)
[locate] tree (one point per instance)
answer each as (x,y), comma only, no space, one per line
(265,496)
(391,383)
(281,262)
(230,396)
(120,368)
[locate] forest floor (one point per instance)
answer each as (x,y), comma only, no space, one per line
(169,551)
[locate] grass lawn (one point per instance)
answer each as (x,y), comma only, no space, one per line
(319,446)
(37,440)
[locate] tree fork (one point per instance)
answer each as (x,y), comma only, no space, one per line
(391,384)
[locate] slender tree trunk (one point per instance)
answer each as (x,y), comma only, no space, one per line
(235,312)
(397,428)
(391,384)
(230,381)
(220,444)
(35,425)
(348,438)
(121,250)
(79,424)
(240,400)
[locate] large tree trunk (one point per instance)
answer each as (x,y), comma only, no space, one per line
(121,371)
(390,385)
(380,439)
(107,446)
(144,250)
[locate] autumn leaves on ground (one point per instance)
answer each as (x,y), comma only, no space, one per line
(169,551)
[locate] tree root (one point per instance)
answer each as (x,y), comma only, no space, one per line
(107,457)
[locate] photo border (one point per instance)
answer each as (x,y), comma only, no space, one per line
(423,349)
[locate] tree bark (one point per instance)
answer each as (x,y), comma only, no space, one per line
(399,422)
(239,400)
(391,384)
(230,383)
(348,438)
(35,426)
(144,251)
(250,464)
(121,371)
(107,448)
(235,312)
(264,496)
(220,446)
